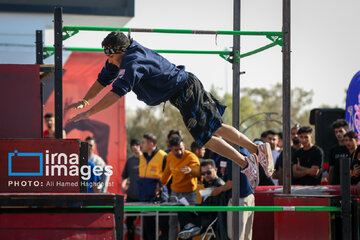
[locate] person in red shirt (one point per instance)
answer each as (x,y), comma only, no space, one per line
(49,119)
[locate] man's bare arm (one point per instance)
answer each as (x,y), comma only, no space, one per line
(93,91)
(108,100)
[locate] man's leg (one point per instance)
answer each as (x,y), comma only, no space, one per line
(233,135)
(224,149)
(263,150)
(246,219)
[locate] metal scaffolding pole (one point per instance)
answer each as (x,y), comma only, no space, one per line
(236,114)
(286,98)
(58,72)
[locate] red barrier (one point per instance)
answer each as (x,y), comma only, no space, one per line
(20,107)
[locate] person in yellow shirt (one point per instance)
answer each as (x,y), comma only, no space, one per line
(184,167)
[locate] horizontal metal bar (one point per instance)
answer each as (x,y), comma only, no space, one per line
(227,208)
(156,50)
(179,31)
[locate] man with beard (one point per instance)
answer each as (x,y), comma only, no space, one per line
(184,168)
(295,145)
(337,152)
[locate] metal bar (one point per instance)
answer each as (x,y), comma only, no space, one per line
(286,98)
(258,50)
(345,197)
(39,47)
(157,225)
(232,208)
(58,72)
(181,31)
(84,156)
(39,60)
(119,216)
(49,48)
(236,114)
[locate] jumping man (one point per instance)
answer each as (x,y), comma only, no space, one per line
(133,67)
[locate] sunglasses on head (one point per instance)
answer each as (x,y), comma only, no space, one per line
(208,172)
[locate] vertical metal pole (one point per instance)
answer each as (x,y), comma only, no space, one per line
(286,98)
(58,72)
(236,114)
(345,197)
(40,60)
(39,47)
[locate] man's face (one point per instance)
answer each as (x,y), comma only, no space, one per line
(350,143)
(339,133)
(115,59)
(50,122)
(208,172)
(91,146)
(272,140)
(146,145)
(305,139)
(294,136)
(178,151)
(201,152)
(136,149)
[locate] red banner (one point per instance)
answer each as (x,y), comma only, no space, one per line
(107,127)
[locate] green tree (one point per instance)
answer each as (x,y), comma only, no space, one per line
(254,101)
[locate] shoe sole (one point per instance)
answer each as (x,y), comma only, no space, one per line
(269,157)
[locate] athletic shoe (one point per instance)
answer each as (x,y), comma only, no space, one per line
(189,231)
(252,170)
(266,159)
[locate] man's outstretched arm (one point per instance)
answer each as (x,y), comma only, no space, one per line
(108,100)
(94,90)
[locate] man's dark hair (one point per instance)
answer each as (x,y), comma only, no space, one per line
(114,39)
(269,132)
(150,137)
(280,134)
(207,162)
(340,123)
(90,138)
(194,146)
(134,141)
(351,134)
(305,129)
(173,131)
(49,115)
(175,141)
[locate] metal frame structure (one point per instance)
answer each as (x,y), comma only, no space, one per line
(277,38)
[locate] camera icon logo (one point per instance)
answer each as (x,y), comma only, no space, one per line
(17,154)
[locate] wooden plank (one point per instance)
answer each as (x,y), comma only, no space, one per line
(57,221)
(60,234)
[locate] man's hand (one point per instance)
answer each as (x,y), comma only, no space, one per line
(356,170)
(313,171)
(186,169)
(80,116)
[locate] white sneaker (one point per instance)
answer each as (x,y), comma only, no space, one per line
(266,159)
(252,170)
